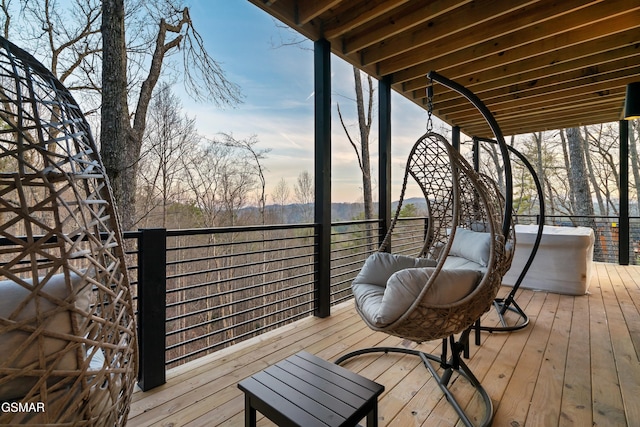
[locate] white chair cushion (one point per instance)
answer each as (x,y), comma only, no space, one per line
(472,245)
(17,303)
(384,304)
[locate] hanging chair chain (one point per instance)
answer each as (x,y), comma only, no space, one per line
(430,105)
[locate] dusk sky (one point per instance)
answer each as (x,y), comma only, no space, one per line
(277,84)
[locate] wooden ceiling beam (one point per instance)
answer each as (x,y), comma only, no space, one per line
(539,67)
(471,15)
(494,35)
(605,73)
(402,19)
(513,47)
(543,106)
(558,97)
(541,122)
(352,15)
(553,111)
(308,11)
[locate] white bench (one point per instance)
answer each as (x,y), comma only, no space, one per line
(563,263)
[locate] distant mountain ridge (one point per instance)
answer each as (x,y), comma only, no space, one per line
(340,211)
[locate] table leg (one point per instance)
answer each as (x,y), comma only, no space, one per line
(249,412)
(372,417)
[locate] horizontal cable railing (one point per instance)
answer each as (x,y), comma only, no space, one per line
(225,285)
(408,236)
(351,243)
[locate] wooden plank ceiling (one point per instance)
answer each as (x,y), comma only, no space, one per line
(537,65)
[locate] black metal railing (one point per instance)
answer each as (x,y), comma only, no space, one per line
(197,291)
(228,284)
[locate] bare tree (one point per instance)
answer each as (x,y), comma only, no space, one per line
(203,77)
(280,196)
(221,174)
(255,157)
(364,128)
(304,195)
(567,167)
(537,137)
(66,36)
(494,164)
(5,6)
(90,44)
(578,176)
(168,138)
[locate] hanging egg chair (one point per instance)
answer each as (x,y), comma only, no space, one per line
(445,289)
(68,349)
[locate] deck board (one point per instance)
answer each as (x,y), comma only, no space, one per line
(576,364)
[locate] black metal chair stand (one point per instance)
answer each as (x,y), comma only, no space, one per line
(450,361)
(508,303)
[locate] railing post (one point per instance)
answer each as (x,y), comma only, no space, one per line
(384,158)
(623,226)
(152,307)
(322,177)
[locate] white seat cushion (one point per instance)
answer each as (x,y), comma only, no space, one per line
(18,304)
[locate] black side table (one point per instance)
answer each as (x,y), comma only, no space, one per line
(305,390)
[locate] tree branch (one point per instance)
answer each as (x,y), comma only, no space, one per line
(346,131)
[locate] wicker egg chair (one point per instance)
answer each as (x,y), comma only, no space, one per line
(68,350)
(442,291)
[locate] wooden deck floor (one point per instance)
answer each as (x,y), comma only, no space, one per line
(578,363)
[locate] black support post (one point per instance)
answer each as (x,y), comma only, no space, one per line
(384,157)
(455,137)
(322,178)
(476,155)
(623,226)
(152,307)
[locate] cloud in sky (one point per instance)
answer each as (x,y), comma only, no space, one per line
(277,83)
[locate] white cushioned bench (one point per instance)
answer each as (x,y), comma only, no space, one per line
(563,263)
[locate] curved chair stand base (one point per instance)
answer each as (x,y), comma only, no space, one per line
(453,364)
(502,305)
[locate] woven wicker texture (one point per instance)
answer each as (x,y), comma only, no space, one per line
(456,196)
(67,327)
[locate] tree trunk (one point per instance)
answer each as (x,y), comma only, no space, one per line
(123,146)
(592,176)
(578,176)
(114,131)
(567,167)
(364,124)
(540,166)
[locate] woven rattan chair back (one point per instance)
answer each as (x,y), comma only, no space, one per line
(67,327)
